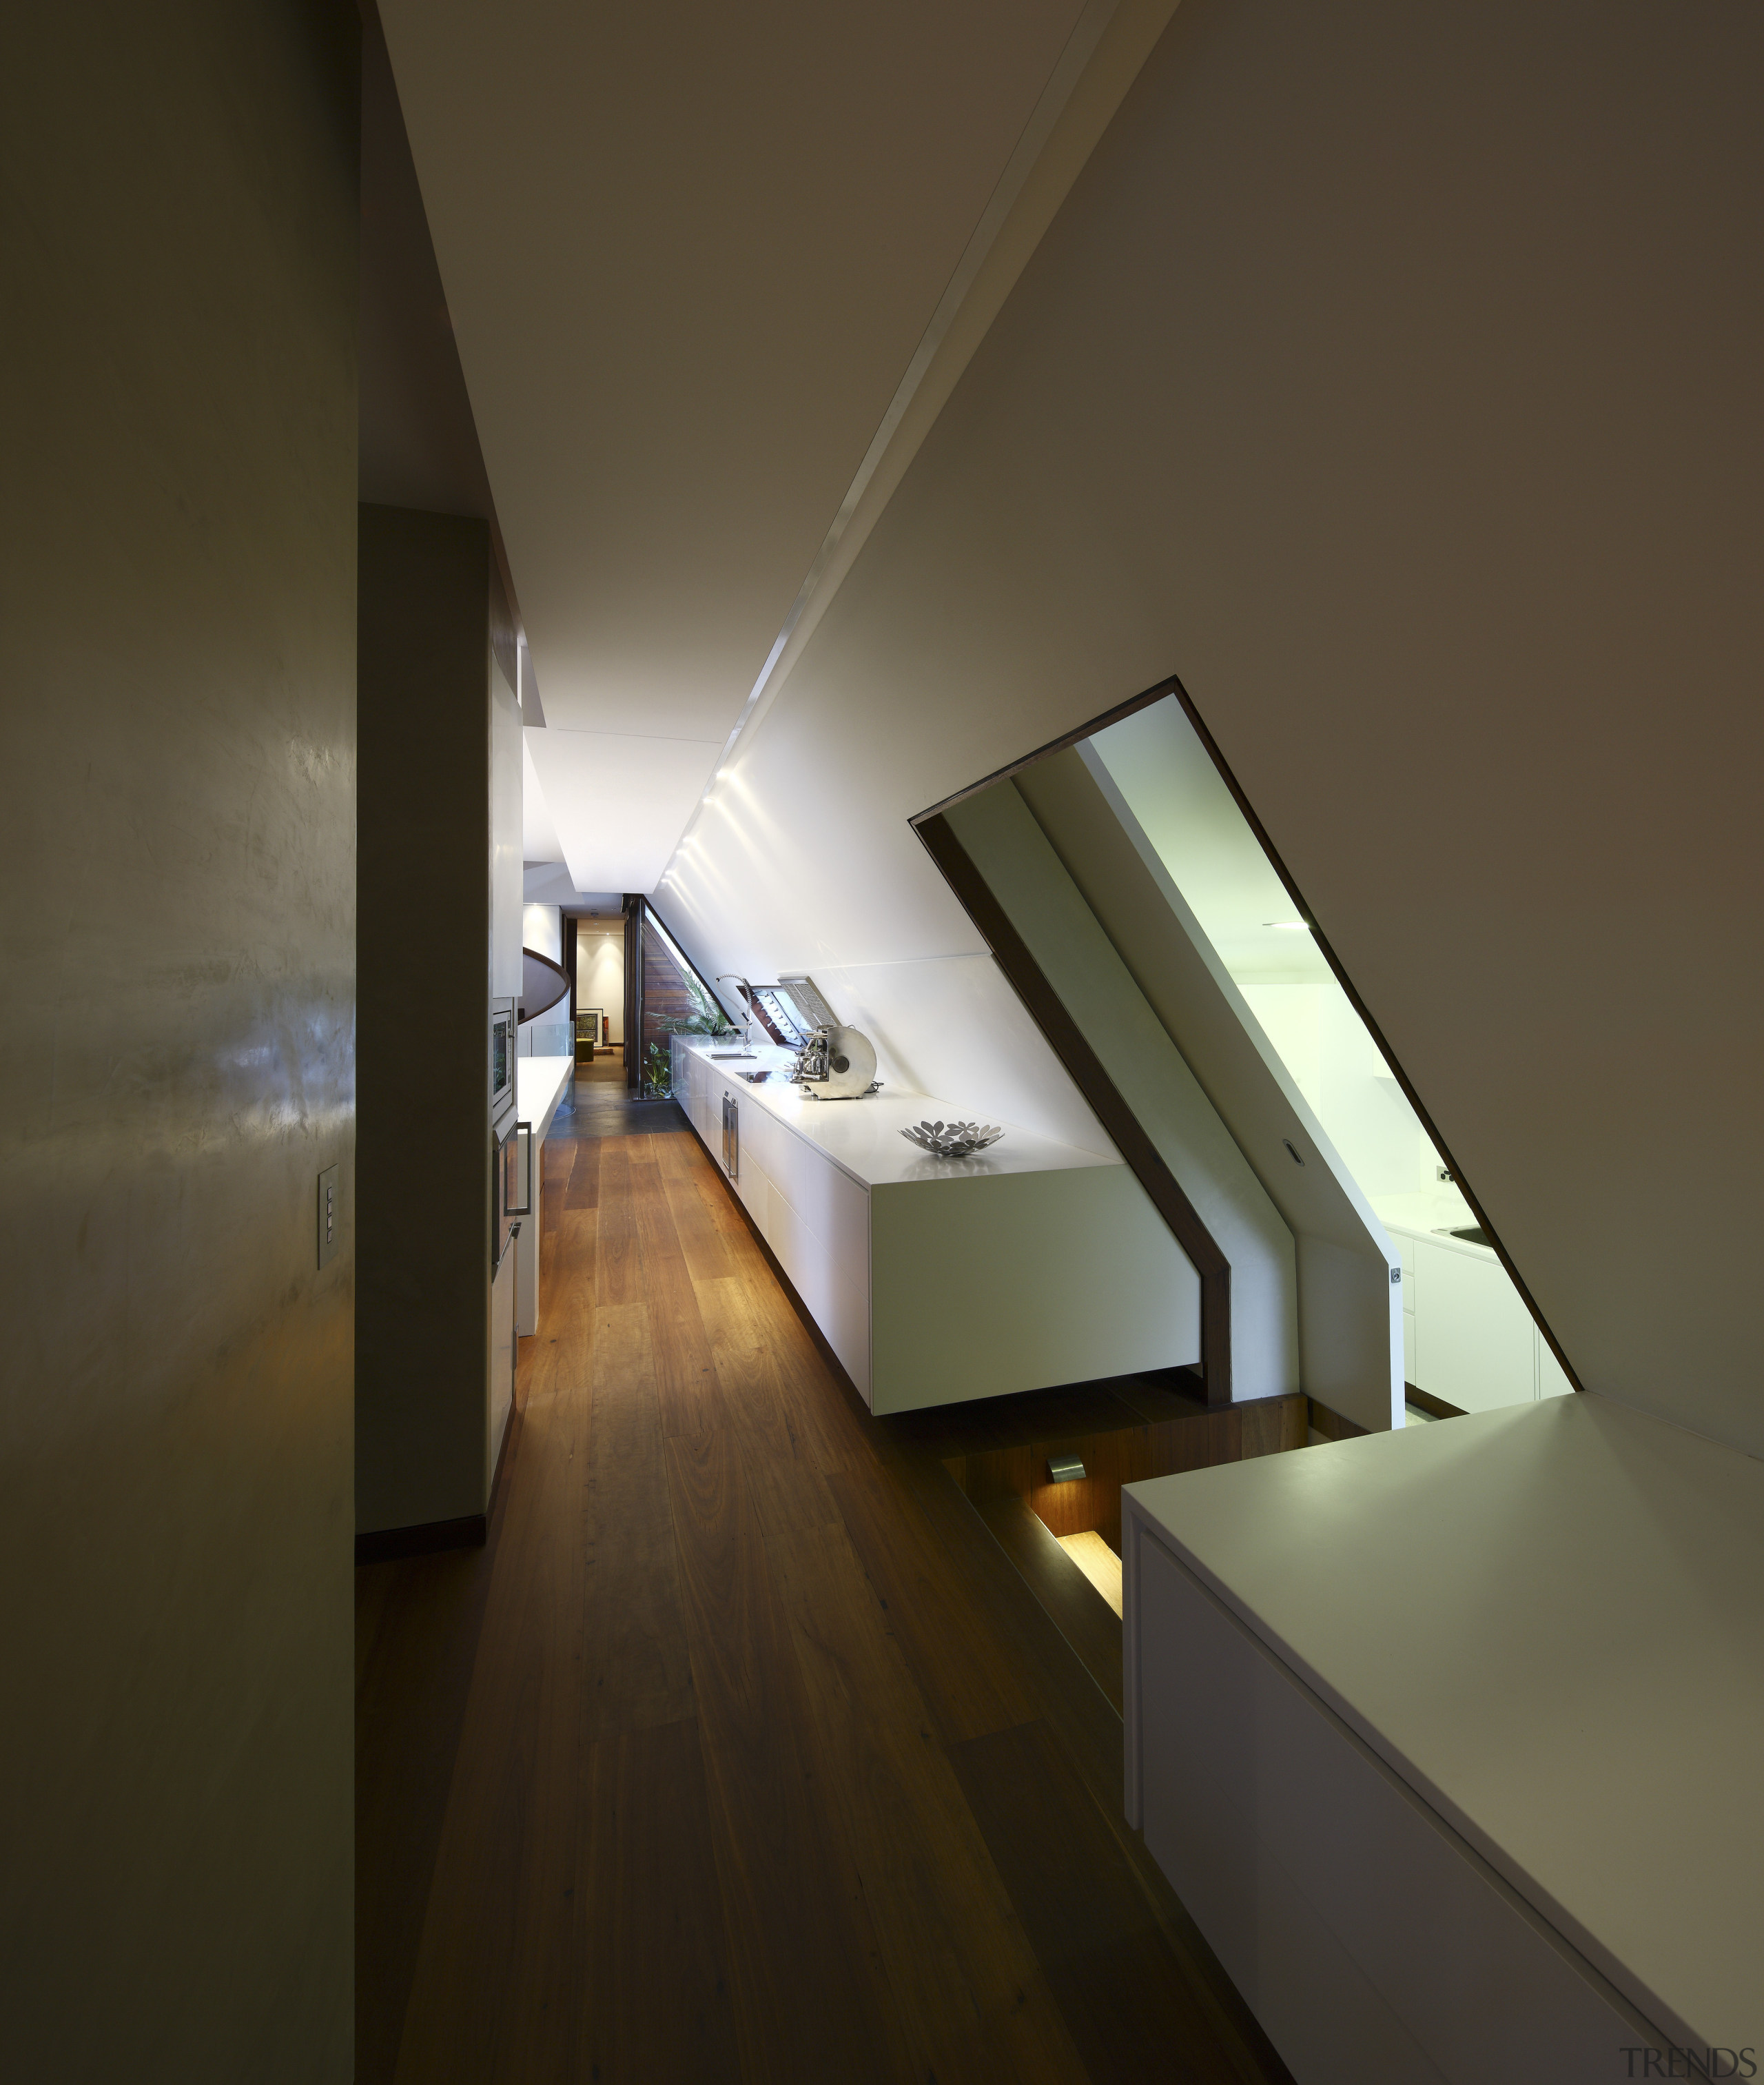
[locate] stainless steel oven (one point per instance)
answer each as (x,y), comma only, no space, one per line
(511,1189)
(505,1048)
(512,1158)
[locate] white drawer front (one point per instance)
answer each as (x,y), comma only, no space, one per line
(837,1211)
(1369,1939)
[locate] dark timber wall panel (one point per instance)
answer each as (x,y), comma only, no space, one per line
(422,1323)
(177,818)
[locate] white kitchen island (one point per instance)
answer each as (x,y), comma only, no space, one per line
(935,1281)
(1449,1739)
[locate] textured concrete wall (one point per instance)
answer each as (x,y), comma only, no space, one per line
(177,828)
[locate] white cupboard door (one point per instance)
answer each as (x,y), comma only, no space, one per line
(1473,1341)
(501,1400)
(1552,1377)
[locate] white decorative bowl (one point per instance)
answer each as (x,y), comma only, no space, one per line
(953,1140)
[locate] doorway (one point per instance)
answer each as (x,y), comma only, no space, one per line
(600,998)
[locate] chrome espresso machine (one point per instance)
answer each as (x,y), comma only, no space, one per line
(835,1063)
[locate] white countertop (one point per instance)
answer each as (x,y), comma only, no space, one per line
(540,1085)
(863,1137)
(1431,1217)
(1549,1620)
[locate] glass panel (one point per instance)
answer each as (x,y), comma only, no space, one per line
(1471,1342)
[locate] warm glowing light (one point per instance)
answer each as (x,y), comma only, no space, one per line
(1097,1562)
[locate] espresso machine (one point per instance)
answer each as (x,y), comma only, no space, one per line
(838,1063)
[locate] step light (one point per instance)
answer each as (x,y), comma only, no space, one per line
(1065,1469)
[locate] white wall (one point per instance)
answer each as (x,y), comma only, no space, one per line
(952,1027)
(1395,383)
(541,930)
(1172,788)
(507,970)
(600,969)
(999,832)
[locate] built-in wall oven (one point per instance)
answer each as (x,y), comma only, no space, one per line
(511,1193)
(510,1156)
(505,1047)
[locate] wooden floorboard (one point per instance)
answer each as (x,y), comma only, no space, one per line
(583,1188)
(968,1989)
(688,1388)
(743,1750)
(1101,1950)
(618,1269)
(637,1666)
(797,1913)
(654,1917)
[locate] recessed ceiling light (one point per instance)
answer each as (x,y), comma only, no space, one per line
(1290,926)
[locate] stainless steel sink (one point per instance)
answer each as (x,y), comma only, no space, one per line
(1471,1234)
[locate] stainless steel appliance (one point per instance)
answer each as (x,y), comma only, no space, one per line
(511,1187)
(837,1065)
(505,1049)
(508,1201)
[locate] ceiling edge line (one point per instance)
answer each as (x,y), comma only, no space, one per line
(1144,21)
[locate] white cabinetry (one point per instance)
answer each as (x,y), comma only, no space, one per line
(1467,1337)
(936,1281)
(1475,1345)
(502,1352)
(539,1085)
(1415,1724)
(507,968)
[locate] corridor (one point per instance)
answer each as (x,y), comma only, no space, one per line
(740,1751)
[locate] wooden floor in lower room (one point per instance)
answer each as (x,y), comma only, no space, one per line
(741,1750)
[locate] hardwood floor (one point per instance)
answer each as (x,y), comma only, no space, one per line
(741,1750)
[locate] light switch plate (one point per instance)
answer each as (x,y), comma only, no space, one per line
(330,1213)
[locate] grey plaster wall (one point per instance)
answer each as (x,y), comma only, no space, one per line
(177,826)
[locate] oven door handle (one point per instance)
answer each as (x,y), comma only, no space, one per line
(526,1208)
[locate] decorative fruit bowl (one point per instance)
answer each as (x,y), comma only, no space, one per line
(953,1140)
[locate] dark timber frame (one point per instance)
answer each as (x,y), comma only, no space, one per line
(639,912)
(924,822)
(634,993)
(678,948)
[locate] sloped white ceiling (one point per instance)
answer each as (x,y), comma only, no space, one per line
(688,251)
(1398,388)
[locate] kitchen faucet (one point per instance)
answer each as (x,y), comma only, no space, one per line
(727,976)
